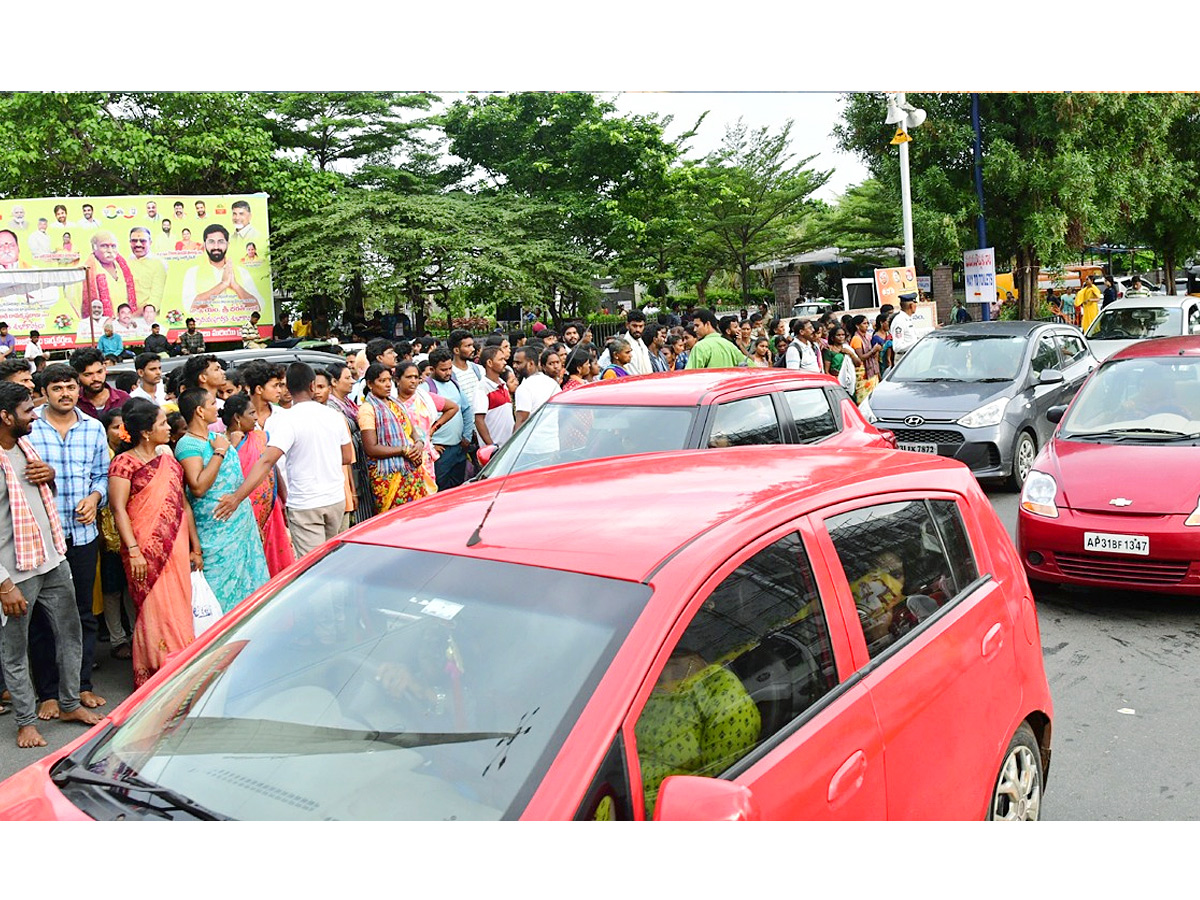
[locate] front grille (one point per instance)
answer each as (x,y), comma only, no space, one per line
(927,436)
(1122,570)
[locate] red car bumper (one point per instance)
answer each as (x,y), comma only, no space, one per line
(1053,550)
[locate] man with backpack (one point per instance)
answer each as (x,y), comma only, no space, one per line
(801,353)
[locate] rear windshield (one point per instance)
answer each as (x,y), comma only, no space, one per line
(1136,323)
(382,683)
(566,432)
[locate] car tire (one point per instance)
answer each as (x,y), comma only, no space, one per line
(1024,453)
(1017,792)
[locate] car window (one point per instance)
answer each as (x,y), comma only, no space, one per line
(1044,357)
(811,413)
(1072,348)
(1194,320)
(903,562)
(756,656)
(607,798)
(748,421)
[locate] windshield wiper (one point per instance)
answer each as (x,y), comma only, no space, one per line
(1152,434)
(989,380)
(208,734)
(77,774)
(929,380)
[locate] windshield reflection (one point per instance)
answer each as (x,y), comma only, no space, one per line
(1161,394)
(382,683)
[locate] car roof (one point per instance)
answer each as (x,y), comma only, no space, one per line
(1167,346)
(623,517)
(1154,301)
(689,387)
(1003,327)
(244,355)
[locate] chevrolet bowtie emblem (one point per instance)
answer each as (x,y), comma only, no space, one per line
(1120,501)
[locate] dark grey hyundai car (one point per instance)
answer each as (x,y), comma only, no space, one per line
(979,393)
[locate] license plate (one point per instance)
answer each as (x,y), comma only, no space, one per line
(1132,544)
(918,448)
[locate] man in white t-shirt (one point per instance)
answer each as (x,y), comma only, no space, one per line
(540,384)
(493,403)
(903,327)
(150,378)
(801,354)
(314,444)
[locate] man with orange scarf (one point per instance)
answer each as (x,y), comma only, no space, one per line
(109,279)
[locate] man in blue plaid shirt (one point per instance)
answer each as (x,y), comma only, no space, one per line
(76,447)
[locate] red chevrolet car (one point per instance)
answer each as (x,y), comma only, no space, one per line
(684,410)
(718,634)
(1113,499)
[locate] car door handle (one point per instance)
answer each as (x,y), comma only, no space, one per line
(993,641)
(848,778)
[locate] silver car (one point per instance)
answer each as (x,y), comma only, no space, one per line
(1132,319)
(979,392)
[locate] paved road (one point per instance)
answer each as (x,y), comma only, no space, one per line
(1106,654)
(1124,676)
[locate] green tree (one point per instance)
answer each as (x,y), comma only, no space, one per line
(755,199)
(1056,168)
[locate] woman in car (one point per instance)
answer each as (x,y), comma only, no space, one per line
(159,541)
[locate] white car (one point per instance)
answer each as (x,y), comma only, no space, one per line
(1132,319)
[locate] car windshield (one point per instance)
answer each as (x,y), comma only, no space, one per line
(1148,399)
(1136,323)
(962,357)
(380,683)
(566,432)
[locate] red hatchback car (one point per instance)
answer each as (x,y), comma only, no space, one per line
(1114,498)
(690,635)
(685,410)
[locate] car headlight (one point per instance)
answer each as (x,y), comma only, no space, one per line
(1039,494)
(991,414)
(1194,518)
(868,413)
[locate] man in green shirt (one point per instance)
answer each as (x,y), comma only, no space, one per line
(712,351)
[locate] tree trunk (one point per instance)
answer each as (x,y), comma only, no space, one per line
(1026,282)
(702,288)
(1169,270)
(744,268)
(354,303)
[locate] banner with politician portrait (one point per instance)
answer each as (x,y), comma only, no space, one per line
(69,266)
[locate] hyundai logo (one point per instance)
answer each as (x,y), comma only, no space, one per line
(914,421)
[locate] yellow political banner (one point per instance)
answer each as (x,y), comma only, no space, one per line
(70,266)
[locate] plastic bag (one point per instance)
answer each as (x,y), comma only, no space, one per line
(206,609)
(846,375)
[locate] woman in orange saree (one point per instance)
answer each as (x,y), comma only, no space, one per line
(158,538)
(240,417)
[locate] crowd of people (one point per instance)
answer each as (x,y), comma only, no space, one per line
(114,494)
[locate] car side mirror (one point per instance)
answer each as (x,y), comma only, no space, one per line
(1051,376)
(693,798)
(1055,413)
(484,453)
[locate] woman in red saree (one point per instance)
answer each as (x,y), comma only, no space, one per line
(158,537)
(241,419)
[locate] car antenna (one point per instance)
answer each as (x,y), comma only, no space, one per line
(476,536)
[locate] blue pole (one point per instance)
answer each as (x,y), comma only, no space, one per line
(981,227)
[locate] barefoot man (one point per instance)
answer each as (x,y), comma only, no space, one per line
(33,570)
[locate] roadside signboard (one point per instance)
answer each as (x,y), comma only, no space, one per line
(979,267)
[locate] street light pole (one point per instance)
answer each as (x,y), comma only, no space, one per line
(904,116)
(906,204)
